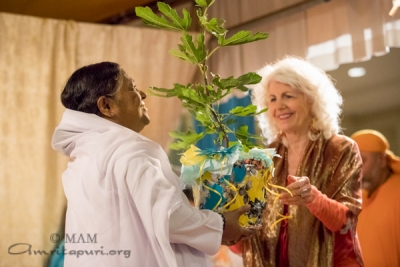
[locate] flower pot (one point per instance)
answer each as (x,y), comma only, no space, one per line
(229,178)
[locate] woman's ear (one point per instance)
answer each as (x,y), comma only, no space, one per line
(106,106)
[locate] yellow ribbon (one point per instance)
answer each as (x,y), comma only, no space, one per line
(280,187)
(216,192)
(283,217)
(209,188)
(235,191)
(190,157)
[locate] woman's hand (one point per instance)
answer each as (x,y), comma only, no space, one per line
(300,187)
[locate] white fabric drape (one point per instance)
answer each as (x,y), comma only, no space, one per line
(117,177)
(36,57)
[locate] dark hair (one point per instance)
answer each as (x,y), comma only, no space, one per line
(87,84)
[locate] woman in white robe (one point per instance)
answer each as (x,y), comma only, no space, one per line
(125,204)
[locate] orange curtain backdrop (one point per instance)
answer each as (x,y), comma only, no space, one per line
(36,57)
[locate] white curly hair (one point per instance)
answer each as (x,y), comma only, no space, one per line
(316,85)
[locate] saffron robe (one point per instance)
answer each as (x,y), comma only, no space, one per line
(121,189)
(379,225)
(334,167)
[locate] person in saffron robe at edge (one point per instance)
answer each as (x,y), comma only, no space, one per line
(321,168)
(120,187)
(379,221)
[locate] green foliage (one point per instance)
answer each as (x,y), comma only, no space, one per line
(242,37)
(184,139)
(242,134)
(239,83)
(204,3)
(188,50)
(200,98)
(250,110)
(175,23)
(214,26)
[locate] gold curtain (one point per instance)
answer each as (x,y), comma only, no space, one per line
(326,33)
(36,57)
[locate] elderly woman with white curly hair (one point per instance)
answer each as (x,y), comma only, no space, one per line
(320,168)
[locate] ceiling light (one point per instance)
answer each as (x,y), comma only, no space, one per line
(356,72)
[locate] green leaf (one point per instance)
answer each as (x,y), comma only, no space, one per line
(176,91)
(204,119)
(199,98)
(242,37)
(178,145)
(204,3)
(182,56)
(182,24)
(176,23)
(242,134)
(210,88)
(243,131)
(220,137)
(230,121)
(244,111)
(151,19)
(185,139)
(226,83)
(214,26)
(231,144)
(196,54)
(249,78)
(239,83)
(207,94)
(192,97)
(242,88)
(201,48)
(168,92)
(261,111)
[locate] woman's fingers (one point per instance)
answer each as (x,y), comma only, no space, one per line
(300,182)
(300,188)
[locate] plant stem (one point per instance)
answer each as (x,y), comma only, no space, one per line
(212,52)
(220,126)
(204,71)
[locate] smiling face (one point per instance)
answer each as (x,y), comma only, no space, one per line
(129,109)
(289,109)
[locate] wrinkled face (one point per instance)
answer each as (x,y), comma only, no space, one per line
(371,179)
(288,109)
(131,110)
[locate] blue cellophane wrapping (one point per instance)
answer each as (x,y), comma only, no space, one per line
(229,178)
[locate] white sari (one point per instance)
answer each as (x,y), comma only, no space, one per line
(125,204)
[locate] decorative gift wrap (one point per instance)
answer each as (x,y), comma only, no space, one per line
(227,179)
